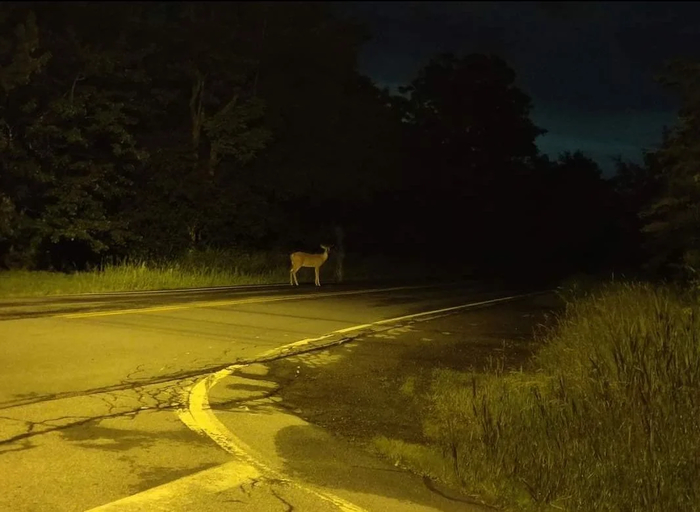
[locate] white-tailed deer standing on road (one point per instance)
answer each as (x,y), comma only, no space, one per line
(304,259)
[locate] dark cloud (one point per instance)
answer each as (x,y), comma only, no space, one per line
(589,66)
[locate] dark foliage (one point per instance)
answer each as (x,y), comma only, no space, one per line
(150,129)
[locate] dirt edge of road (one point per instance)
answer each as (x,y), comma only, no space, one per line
(369,388)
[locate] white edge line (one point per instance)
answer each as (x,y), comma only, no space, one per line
(279,351)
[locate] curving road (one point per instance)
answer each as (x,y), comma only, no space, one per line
(104,398)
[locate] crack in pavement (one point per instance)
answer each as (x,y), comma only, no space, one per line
(31,433)
(130,376)
(115,405)
(176,377)
(122,386)
(290,507)
(252,483)
(147,397)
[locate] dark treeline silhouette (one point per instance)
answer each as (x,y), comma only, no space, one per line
(149,129)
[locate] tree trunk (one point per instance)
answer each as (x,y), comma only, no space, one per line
(197,110)
(339,253)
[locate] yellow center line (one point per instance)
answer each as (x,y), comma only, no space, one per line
(228,302)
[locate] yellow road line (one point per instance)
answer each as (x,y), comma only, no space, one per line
(171,496)
(199,417)
(229,302)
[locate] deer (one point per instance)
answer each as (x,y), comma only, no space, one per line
(304,259)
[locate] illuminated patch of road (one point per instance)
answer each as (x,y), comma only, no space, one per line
(248,466)
(199,417)
(231,302)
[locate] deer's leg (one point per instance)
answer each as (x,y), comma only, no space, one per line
(318,282)
(293,275)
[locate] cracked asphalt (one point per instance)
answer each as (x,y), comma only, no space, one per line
(90,387)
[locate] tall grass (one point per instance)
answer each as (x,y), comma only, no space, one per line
(608,418)
(203,269)
(199,269)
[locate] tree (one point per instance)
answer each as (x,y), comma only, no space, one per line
(208,123)
(223,169)
(672,222)
(139,129)
(21,60)
(469,112)
(471,134)
(583,224)
(73,157)
(635,186)
(335,139)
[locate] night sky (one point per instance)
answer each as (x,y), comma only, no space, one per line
(588,66)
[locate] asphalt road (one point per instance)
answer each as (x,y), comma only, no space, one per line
(103,398)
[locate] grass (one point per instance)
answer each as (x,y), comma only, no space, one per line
(606,419)
(424,459)
(199,269)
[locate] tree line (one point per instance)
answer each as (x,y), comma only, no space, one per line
(149,129)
